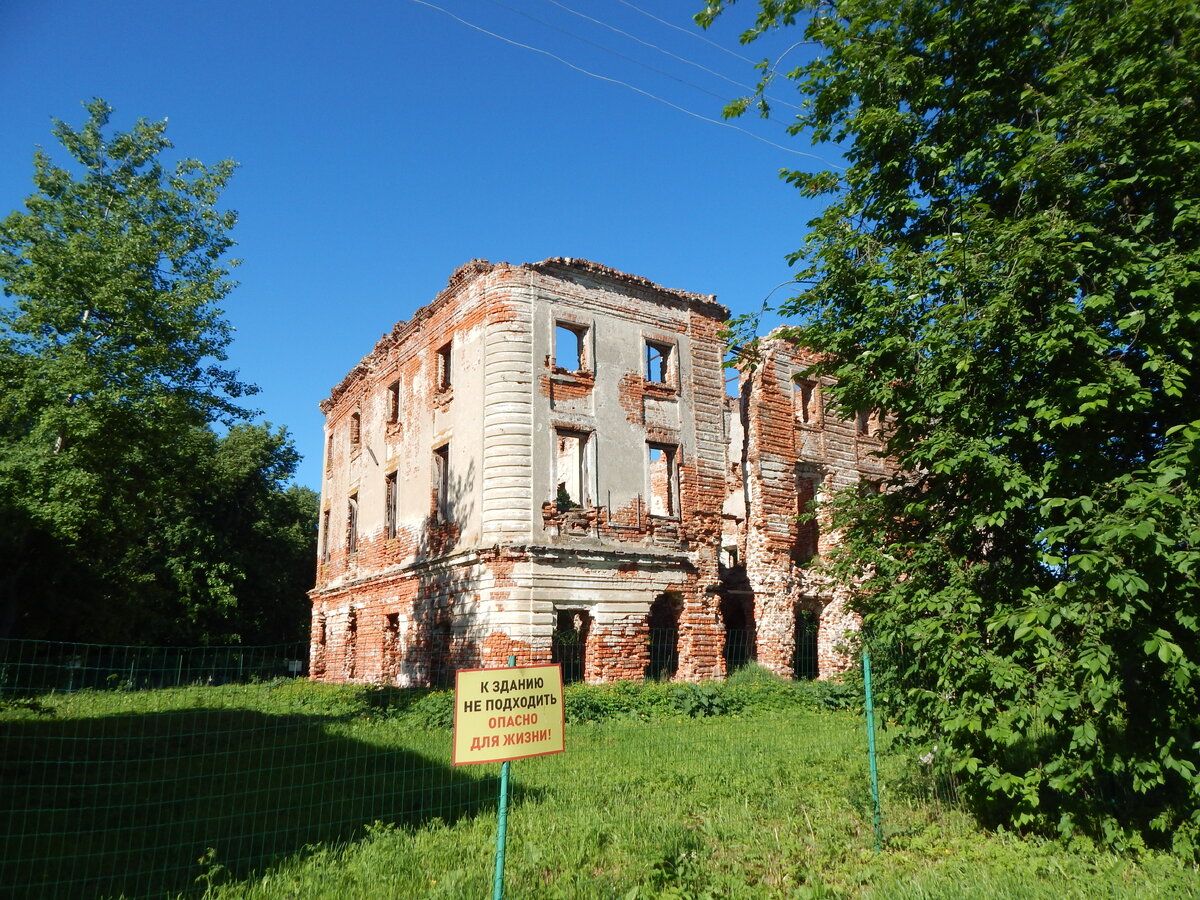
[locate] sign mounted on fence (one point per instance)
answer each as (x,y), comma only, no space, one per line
(503,714)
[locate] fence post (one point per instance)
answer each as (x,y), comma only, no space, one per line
(502,822)
(869,697)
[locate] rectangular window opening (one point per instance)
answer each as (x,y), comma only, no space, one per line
(445,374)
(391,643)
(664,480)
(325,536)
(390,494)
(807,399)
(807,532)
(570,470)
(733,382)
(570,347)
(863,421)
(351,642)
(659,362)
(355,427)
(441,483)
(393,402)
(352,525)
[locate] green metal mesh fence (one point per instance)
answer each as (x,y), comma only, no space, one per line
(124,768)
(156,772)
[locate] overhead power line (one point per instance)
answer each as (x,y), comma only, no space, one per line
(626,84)
(688,32)
(662,50)
(616,53)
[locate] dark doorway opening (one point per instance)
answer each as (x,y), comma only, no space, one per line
(663,623)
(568,645)
(804,660)
(737,614)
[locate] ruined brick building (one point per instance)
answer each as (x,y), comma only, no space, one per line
(544,462)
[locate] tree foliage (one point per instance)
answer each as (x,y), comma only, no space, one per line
(111,360)
(1010,266)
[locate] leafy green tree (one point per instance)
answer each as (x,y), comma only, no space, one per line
(238,548)
(1009,266)
(111,352)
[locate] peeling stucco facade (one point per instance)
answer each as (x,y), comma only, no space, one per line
(543,463)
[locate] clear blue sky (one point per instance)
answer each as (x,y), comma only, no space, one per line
(382,144)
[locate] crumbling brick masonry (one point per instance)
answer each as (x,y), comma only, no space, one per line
(543,463)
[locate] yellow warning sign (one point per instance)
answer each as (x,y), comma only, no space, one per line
(504,714)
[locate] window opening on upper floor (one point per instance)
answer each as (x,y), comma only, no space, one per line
(355,427)
(570,347)
(571,470)
(733,382)
(660,362)
(393,402)
(441,483)
(325,536)
(862,421)
(807,396)
(444,373)
(807,529)
(663,480)
(390,498)
(352,525)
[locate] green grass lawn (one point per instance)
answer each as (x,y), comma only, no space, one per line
(107,793)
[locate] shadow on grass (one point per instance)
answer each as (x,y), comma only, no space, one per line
(147,805)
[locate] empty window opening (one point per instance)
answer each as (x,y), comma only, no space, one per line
(325,536)
(737,614)
(329,451)
(355,428)
(659,362)
(318,661)
(568,646)
(664,480)
(862,421)
(441,483)
(570,347)
(352,525)
(390,494)
(570,470)
(805,664)
(663,625)
(443,363)
(393,402)
(733,382)
(807,531)
(391,644)
(807,397)
(351,642)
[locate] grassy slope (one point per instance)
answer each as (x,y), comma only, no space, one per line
(768,803)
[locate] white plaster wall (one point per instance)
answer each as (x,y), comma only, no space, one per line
(618,328)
